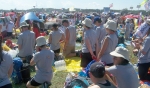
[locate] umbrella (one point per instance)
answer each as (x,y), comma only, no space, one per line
(132,16)
(33,17)
(29,16)
(10,13)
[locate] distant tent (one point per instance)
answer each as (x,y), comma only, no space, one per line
(71,9)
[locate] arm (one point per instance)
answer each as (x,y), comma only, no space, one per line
(87,42)
(103,48)
(32,62)
(50,38)
(97,47)
(63,37)
(67,37)
(19,42)
(143,48)
(10,70)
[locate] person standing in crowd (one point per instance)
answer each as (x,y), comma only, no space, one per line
(122,70)
(36,29)
(4,28)
(127,29)
(100,30)
(54,40)
(6,67)
(109,43)
(97,75)
(90,43)
(65,24)
(143,49)
(10,27)
(26,43)
(70,41)
(43,60)
(132,24)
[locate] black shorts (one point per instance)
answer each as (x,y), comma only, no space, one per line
(86,59)
(143,71)
(56,51)
(9,34)
(34,83)
(7,86)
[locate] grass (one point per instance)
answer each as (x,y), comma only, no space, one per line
(59,77)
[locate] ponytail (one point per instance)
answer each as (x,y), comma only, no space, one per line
(1,50)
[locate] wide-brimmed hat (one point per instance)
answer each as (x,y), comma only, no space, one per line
(87,22)
(111,24)
(121,52)
(40,41)
(24,24)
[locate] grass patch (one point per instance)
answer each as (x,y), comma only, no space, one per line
(59,77)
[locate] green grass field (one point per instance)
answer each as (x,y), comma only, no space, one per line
(59,77)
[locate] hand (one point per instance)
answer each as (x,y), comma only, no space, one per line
(135,50)
(140,40)
(137,45)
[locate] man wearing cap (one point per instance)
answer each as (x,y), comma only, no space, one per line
(100,30)
(97,75)
(122,70)
(43,60)
(26,43)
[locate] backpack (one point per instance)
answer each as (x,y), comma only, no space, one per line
(79,82)
(16,75)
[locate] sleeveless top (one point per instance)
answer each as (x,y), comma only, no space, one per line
(106,85)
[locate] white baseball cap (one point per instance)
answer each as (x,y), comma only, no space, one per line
(40,41)
(111,24)
(88,22)
(121,52)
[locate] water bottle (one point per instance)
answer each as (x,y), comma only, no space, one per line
(60,65)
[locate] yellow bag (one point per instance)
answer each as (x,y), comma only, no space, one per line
(5,47)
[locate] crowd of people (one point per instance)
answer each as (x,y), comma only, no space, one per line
(99,42)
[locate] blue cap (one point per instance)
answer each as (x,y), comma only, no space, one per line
(89,17)
(97,19)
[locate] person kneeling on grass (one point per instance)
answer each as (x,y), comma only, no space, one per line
(43,60)
(122,70)
(97,75)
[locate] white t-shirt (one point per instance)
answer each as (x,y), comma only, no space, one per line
(10,27)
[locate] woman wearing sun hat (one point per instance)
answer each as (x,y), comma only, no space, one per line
(90,43)
(109,43)
(122,70)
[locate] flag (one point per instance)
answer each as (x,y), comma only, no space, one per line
(143,3)
(111,5)
(147,6)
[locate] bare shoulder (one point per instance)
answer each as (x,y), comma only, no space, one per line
(94,86)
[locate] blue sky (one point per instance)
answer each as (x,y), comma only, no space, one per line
(91,4)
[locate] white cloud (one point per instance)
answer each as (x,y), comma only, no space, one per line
(67,4)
